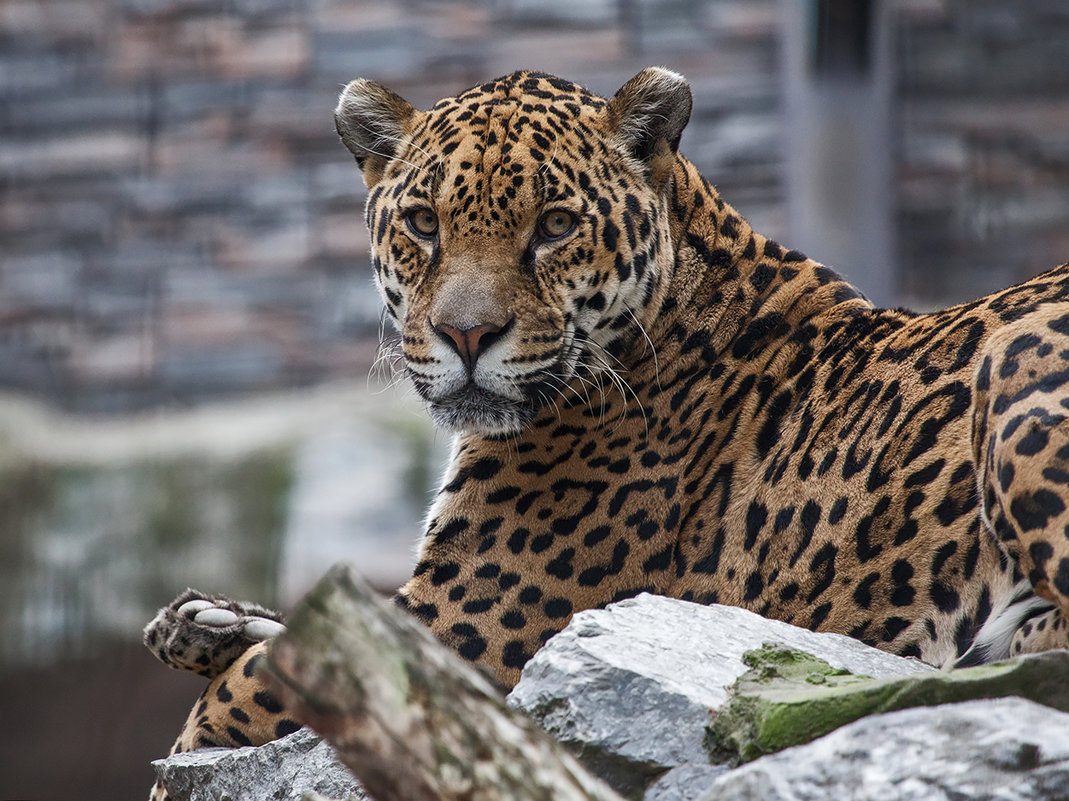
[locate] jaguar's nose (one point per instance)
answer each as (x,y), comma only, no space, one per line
(471,342)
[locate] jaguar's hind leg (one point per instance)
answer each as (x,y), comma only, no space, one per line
(1043,632)
(1021,446)
(206,633)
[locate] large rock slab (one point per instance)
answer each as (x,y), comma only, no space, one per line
(632,687)
(789,697)
(282,770)
(1008,749)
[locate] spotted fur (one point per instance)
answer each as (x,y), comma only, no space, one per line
(650,396)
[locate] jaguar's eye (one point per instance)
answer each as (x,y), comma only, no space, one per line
(423,222)
(556,223)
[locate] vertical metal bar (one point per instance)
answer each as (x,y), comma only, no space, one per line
(838,82)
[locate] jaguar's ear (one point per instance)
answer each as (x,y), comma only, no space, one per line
(371,121)
(648,116)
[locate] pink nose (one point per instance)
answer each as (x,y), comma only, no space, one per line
(470,343)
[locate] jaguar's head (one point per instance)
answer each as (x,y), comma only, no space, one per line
(519,233)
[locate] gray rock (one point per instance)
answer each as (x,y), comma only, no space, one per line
(1003,750)
(631,687)
(684,783)
(282,770)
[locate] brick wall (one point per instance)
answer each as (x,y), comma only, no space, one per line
(983,144)
(178,220)
(177,217)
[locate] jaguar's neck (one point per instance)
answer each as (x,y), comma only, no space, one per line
(726,276)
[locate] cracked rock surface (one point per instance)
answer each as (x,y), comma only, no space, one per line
(1007,749)
(282,770)
(633,686)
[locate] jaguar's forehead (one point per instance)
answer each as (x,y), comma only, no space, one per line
(521,107)
(524,88)
(488,147)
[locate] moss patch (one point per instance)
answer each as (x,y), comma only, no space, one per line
(788,697)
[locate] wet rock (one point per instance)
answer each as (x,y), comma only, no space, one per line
(282,770)
(632,687)
(1008,749)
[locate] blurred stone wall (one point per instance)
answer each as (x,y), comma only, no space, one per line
(178,220)
(177,216)
(983,144)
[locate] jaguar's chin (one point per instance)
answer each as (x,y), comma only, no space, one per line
(473,409)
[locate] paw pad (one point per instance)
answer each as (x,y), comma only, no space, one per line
(214,617)
(263,629)
(194,606)
(205,634)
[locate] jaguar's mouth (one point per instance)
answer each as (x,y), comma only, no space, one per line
(476,409)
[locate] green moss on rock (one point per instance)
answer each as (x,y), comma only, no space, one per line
(788,697)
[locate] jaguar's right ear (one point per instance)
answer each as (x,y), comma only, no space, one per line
(371,121)
(648,116)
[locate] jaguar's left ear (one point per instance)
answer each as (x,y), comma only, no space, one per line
(372,121)
(648,116)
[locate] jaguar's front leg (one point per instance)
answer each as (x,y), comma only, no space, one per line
(223,640)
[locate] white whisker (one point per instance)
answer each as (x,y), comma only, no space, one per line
(653,349)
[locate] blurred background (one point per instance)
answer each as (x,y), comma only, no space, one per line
(187,323)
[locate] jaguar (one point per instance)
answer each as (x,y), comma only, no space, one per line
(649,396)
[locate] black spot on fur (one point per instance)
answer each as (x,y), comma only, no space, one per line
(268,701)
(286,727)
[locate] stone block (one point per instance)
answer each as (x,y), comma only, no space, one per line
(282,770)
(1002,750)
(615,676)
(684,782)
